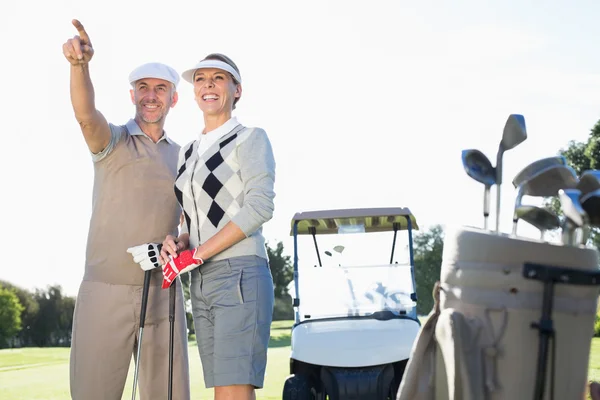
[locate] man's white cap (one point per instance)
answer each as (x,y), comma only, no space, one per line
(154,70)
(188,75)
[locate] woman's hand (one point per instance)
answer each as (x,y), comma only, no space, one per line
(172,246)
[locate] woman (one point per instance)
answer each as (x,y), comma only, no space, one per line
(225,186)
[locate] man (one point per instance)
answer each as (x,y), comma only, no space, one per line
(133,203)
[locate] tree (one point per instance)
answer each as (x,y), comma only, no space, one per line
(283,273)
(281,269)
(66,308)
(582,156)
(52,327)
(10,316)
(592,150)
(28,314)
(428,249)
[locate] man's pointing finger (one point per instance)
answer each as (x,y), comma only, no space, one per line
(82,33)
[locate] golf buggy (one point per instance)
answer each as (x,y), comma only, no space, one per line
(355,308)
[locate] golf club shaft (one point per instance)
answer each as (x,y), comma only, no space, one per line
(137,361)
(171,335)
(517,205)
(147,277)
(498,208)
(567,235)
(585,234)
(486,207)
(498,183)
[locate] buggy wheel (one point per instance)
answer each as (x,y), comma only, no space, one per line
(297,387)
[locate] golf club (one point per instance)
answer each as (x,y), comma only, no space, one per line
(536,166)
(147,278)
(541,218)
(514,134)
(589,181)
(591,205)
(575,215)
(479,167)
(171,335)
(543,183)
(590,202)
(585,235)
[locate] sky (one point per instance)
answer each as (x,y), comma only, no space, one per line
(366,104)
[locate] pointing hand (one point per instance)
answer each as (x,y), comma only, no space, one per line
(78,50)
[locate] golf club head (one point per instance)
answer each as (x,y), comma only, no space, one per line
(478,166)
(589,181)
(541,218)
(515,132)
(548,181)
(590,202)
(542,182)
(535,167)
(571,206)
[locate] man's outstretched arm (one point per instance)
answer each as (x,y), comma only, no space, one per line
(79,51)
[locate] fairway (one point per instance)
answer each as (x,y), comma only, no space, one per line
(43,373)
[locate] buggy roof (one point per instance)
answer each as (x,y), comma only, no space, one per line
(374,220)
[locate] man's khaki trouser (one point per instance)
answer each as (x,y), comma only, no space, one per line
(105,333)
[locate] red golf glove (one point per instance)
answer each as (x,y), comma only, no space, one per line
(185,261)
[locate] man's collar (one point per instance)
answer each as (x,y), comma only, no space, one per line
(134,129)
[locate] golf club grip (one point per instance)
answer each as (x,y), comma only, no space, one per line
(147,278)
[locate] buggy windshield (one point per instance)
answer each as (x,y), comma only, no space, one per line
(355,277)
(331,291)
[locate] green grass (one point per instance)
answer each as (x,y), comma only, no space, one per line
(16,359)
(594,366)
(43,373)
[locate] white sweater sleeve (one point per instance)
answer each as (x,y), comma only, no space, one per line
(257,167)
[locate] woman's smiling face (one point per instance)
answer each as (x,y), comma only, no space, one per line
(215,91)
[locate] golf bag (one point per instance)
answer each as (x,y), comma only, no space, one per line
(513,319)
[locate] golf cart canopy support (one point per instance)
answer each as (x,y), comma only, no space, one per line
(373,219)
